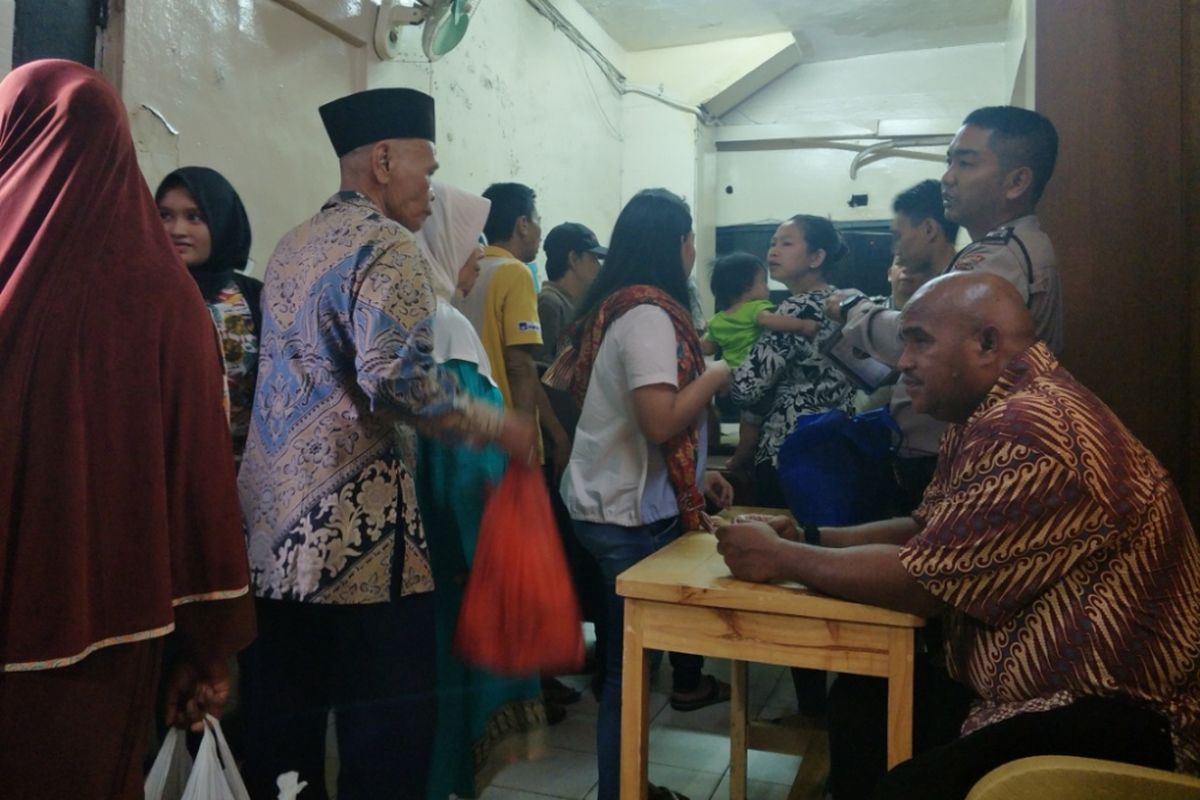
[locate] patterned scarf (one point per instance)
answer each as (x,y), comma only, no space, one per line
(572,371)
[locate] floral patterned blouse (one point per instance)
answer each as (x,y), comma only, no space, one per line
(239,342)
(790,365)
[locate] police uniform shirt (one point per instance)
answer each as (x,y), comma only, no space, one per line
(1020,252)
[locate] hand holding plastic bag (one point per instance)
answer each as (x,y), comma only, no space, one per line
(519,614)
(213,775)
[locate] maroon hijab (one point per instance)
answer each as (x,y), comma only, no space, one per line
(117,495)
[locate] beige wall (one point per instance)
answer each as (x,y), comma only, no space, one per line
(907,89)
(241,82)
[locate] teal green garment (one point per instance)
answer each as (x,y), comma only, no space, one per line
(482,718)
(735,332)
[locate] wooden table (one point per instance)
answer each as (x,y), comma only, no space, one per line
(683,599)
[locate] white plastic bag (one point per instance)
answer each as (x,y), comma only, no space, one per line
(214,775)
(290,785)
(171,769)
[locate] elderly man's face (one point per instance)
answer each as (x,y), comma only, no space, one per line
(408,194)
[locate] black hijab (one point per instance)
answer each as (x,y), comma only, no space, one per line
(228,228)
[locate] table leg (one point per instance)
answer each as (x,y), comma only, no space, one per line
(739,719)
(900,696)
(635,677)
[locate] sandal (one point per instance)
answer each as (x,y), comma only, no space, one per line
(718,692)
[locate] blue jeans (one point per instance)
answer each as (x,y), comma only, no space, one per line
(616,549)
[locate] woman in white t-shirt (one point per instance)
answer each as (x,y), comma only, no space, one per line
(636,479)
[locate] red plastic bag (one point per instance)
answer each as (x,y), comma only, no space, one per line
(519,613)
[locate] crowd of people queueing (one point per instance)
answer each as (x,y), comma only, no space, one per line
(304,490)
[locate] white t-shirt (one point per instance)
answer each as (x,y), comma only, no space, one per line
(616,475)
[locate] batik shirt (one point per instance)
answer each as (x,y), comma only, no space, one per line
(791,366)
(346,351)
(239,343)
(1066,556)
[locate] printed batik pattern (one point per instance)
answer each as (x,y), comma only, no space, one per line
(346,352)
(1066,556)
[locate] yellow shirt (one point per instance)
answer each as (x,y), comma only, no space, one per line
(503,308)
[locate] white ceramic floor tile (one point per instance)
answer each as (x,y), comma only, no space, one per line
(577,732)
(562,773)
(713,719)
(755,790)
(692,784)
(689,749)
(772,767)
(504,793)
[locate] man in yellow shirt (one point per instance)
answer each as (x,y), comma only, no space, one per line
(503,306)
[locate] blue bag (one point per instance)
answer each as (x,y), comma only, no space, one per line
(837,470)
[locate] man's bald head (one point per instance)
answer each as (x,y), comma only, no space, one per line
(976,300)
(961,330)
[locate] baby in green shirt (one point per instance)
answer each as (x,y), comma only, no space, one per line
(739,287)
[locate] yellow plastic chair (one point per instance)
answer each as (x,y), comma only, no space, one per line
(1070,778)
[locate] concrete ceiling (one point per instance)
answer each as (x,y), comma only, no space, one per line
(825,29)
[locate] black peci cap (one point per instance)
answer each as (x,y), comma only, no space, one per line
(377,114)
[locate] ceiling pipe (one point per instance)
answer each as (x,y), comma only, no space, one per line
(892,148)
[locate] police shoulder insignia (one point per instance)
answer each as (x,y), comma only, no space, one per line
(998,236)
(968,261)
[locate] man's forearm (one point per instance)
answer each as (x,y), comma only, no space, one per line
(870,574)
(876,331)
(896,531)
(522,379)
(546,416)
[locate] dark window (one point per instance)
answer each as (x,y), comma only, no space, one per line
(865,268)
(58,29)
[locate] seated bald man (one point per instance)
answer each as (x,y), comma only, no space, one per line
(1052,543)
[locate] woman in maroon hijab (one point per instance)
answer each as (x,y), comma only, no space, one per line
(119,520)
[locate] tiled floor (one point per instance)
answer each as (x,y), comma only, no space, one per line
(689,752)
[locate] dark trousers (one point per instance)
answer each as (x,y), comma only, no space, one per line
(585,572)
(373,665)
(946,765)
(616,549)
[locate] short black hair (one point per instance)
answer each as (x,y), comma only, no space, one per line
(922,202)
(510,202)
(1020,138)
(732,275)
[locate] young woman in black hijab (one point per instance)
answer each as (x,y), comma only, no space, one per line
(209,228)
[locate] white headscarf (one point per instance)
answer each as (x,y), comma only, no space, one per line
(447,239)
(451,233)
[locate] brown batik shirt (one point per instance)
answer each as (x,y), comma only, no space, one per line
(1066,556)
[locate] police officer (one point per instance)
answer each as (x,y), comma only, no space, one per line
(998,164)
